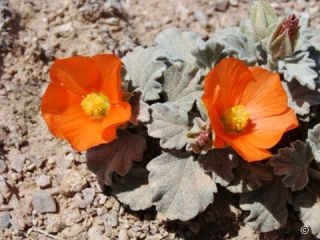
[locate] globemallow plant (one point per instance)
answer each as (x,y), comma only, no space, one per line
(178,118)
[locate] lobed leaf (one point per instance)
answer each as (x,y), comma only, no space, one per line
(301,98)
(170,124)
(144,69)
(133,189)
(267,206)
(248,177)
(180,187)
(308,204)
(181,85)
(299,66)
(178,45)
(237,45)
(140,109)
(220,163)
(314,141)
(292,163)
(305,35)
(208,54)
(116,156)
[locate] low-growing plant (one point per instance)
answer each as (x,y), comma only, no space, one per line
(239,110)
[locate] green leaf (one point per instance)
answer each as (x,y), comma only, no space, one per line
(180,187)
(314,141)
(181,85)
(301,98)
(248,177)
(306,36)
(237,45)
(292,163)
(133,189)
(220,163)
(116,156)
(143,71)
(267,206)
(170,124)
(308,204)
(178,45)
(299,66)
(208,54)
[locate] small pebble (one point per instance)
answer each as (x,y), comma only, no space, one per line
(102,199)
(3,166)
(88,195)
(72,182)
(43,202)
(113,219)
(3,186)
(5,220)
(201,17)
(108,230)
(54,223)
(17,162)
(17,221)
(123,235)
(222,5)
(43,181)
(94,233)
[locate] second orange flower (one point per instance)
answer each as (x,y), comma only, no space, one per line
(247,107)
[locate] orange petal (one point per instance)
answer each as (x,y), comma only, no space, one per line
(248,152)
(267,134)
(54,101)
(118,114)
(265,96)
(78,74)
(232,76)
(109,67)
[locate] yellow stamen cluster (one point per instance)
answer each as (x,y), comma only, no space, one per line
(95,105)
(235,119)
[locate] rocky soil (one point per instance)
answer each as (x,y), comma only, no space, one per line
(46,191)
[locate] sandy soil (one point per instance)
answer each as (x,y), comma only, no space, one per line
(46,191)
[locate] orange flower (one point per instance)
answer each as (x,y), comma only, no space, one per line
(83,103)
(247,107)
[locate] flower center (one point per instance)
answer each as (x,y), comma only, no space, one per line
(235,119)
(95,105)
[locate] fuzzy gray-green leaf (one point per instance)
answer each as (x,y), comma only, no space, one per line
(133,189)
(180,187)
(314,141)
(299,66)
(208,54)
(248,177)
(170,124)
(237,45)
(301,98)
(267,206)
(178,45)
(220,163)
(181,85)
(306,35)
(292,163)
(116,156)
(144,69)
(308,204)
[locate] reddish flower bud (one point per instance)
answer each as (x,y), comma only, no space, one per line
(292,23)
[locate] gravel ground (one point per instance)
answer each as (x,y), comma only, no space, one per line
(46,191)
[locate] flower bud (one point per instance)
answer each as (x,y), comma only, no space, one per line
(283,39)
(262,17)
